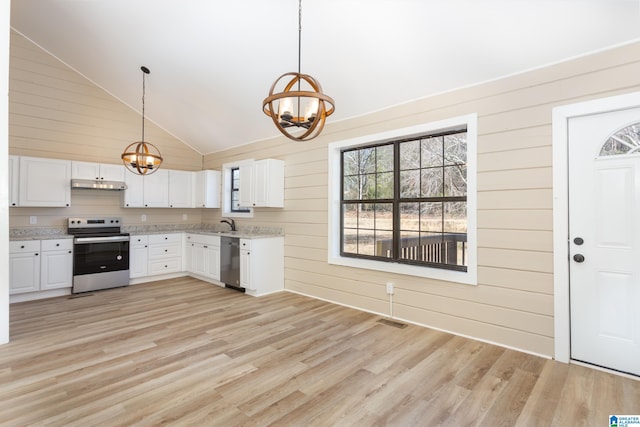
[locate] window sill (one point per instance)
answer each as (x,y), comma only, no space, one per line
(466,277)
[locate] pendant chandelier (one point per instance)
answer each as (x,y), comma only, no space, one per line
(300,103)
(142,158)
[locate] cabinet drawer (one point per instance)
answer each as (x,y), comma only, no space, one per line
(204,239)
(170,265)
(138,240)
(57,244)
(159,251)
(164,238)
(20,246)
(245,244)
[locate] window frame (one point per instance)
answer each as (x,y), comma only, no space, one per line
(334,257)
(397,200)
(227,188)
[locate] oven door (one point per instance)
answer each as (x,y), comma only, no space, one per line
(100,254)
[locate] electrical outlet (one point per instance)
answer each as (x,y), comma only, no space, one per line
(33,220)
(390,288)
(143,218)
(184,217)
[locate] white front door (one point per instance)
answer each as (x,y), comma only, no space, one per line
(604,239)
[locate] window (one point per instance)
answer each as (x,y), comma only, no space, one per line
(231,184)
(404,201)
(234,193)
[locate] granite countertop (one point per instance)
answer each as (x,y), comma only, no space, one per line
(38,233)
(252,232)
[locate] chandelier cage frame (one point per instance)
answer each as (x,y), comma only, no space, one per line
(141,157)
(320,105)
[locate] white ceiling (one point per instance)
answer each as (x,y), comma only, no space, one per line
(212,62)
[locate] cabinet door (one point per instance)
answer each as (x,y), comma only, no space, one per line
(268,183)
(245,270)
(134,194)
(180,189)
(85,170)
(56,270)
(212,262)
(24,272)
(246,190)
(206,189)
(156,189)
(45,182)
(14,175)
(110,172)
(138,261)
(199,258)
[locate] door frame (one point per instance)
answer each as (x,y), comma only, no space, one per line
(560,148)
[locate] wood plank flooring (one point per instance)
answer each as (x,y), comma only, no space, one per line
(184,352)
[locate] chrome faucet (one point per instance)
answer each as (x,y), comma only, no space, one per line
(231,223)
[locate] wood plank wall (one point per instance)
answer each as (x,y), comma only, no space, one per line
(513,303)
(56,113)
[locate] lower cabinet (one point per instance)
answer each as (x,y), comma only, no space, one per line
(138,256)
(24,266)
(203,256)
(165,253)
(262,265)
(56,264)
(36,265)
(261,259)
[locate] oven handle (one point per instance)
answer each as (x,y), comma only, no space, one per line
(81,240)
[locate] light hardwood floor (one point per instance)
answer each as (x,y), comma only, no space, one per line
(183,352)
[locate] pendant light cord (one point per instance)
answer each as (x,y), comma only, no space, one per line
(299,51)
(143,91)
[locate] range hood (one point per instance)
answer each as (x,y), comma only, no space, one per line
(90,184)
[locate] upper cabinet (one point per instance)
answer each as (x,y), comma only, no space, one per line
(180,194)
(14,179)
(206,189)
(262,184)
(44,182)
(147,191)
(97,171)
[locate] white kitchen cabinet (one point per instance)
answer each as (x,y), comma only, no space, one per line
(180,193)
(203,256)
(97,171)
(156,189)
(165,253)
(44,182)
(14,179)
(262,265)
(262,183)
(24,266)
(56,264)
(147,191)
(206,189)
(138,256)
(134,194)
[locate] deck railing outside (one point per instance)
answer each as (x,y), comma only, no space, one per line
(448,248)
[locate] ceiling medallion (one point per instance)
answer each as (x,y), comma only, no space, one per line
(142,158)
(296,101)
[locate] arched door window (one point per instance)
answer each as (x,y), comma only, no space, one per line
(623,142)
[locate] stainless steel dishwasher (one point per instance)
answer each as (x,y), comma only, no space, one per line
(230,262)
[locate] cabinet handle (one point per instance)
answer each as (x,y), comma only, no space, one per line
(67,204)
(57,244)
(21,246)
(206,247)
(166,250)
(36,254)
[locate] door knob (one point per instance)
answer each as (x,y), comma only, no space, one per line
(578,258)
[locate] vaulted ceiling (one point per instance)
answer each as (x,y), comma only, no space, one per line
(212,62)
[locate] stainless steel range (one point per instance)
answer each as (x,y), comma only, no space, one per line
(100,254)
